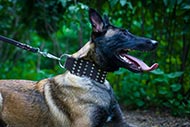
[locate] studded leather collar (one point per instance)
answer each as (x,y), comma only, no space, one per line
(86,68)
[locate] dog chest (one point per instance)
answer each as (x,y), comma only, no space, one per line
(71,98)
(86,90)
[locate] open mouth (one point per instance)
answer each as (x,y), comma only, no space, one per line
(134,64)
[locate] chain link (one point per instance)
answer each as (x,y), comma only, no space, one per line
(48,55)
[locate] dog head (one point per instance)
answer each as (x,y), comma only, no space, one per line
(109,46)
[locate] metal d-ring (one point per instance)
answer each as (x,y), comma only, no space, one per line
(61,59)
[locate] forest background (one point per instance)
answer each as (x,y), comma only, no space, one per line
(62,26)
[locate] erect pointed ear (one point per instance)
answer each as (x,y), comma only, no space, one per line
(96,20)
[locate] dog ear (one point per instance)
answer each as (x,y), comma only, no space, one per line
(96,20)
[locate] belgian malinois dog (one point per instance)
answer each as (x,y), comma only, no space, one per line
(81,97)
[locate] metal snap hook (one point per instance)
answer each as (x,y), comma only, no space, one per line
(63,58)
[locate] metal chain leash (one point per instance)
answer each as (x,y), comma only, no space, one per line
(34,50)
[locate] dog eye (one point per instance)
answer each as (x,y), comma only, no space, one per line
(126,34)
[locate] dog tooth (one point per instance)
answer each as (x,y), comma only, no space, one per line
(139,67)
(126,59)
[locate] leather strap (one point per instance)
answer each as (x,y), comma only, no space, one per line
(86,68)
(19,44)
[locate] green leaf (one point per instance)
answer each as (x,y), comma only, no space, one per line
(157,72)
(123,2)
(165,2)
(136,94)
(165,80)
(179,97)
(174,75)
(139,103)
(163,91)
(179,1)
(1,7)
(176,87)
(63,2)
(130,5)
(185,6)
(113,2)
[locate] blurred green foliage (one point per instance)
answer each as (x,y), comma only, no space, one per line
(62,26)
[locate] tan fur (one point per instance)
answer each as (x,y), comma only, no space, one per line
(83,52)
(20,102)
(110,32)
(86,52)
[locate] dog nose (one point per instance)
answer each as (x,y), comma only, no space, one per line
(154,43)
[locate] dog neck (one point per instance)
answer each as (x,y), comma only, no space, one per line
(81,67)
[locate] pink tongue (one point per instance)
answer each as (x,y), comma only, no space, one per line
(143,65)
